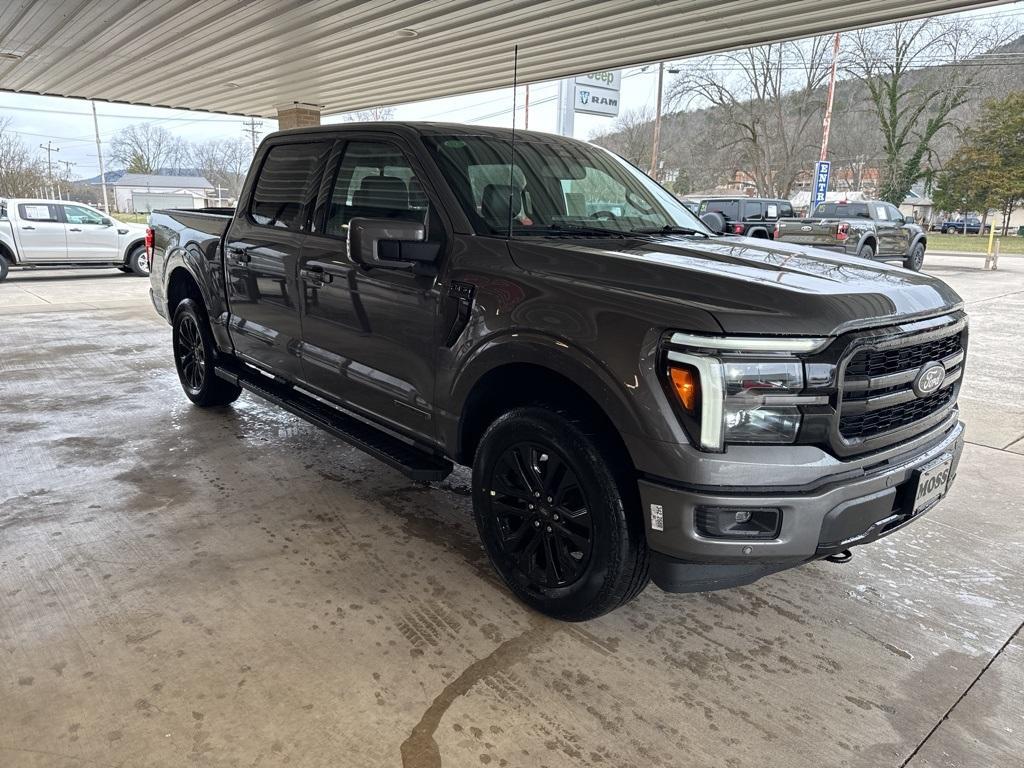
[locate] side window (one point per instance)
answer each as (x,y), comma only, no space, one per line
(76,214)
(786,211)
(752,211)
(284,187)
(880,213)
(375,180)
(729,209)
(773,211)
(894,214)
(38,212)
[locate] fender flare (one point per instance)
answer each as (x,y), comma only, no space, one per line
(864,240)
(759,232)
(131,247)
(920,237)
(9,253)
(550,353)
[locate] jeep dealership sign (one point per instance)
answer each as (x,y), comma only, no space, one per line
(597,93)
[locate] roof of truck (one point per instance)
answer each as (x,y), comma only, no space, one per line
(426,128)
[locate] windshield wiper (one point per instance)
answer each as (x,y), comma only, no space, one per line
(672,229)
(562,227)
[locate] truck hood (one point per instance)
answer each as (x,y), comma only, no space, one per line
(749,285)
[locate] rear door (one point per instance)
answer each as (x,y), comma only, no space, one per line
(886,229)
(92,238)
(369,336)
(40,234)
(261,252)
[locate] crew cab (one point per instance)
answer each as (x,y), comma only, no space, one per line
(638,397)
(57,233)
(749,216)
(870,229)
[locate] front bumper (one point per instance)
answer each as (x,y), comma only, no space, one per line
(827,520)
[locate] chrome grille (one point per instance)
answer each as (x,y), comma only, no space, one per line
(877,391)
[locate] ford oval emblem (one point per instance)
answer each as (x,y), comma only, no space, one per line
(929,379)
(806,228)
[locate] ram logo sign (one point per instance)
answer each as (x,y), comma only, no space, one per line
(597,93)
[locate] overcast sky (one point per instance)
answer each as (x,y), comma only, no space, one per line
(68,123)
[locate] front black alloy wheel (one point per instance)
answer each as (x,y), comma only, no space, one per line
(542,515)
(915,259)
(194,356)
(559,513)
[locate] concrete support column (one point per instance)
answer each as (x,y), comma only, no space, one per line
(297,115)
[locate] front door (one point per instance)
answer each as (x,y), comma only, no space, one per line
(900,233)
(41,236)
(92,237)
(369,335)
(886,228)
(261,251)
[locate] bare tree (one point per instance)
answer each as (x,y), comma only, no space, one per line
(916,75)
(21,172)
(145,148)
(630,137)
(223,162)
(371,115)
(768,101)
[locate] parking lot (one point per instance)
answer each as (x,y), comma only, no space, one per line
(236,587)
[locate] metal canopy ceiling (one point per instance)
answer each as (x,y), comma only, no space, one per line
(251,56)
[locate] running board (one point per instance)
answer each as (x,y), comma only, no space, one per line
(413,462)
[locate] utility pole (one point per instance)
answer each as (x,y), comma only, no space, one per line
(826,123)
(68,165)
(252,128)
(653,172)
(526,109)
(99,154)
(50,149)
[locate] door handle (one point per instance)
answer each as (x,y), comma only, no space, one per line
(315,274)
(240,255)
(75,229)
(27,227)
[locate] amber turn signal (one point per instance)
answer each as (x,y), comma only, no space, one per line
(686,382)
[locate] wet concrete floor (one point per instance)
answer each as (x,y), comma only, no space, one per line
(235,588)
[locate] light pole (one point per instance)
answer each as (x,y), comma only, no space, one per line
(656,141)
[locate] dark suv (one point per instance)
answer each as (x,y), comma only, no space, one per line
(750,216)
(637,397)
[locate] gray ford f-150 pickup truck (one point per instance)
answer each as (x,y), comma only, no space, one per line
(638,398)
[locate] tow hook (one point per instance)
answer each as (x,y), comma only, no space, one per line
(841,557)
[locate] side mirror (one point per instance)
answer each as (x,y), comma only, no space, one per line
(714,221)
(390,243)
(106,222)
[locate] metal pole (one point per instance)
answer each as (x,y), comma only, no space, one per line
(50,149)
(826,123)
(566,107)
(653,173)
(526,109)
(99,154)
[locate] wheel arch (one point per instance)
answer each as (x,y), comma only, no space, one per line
(132,245)
(516,374)
(868,239)
(8,253)
(921,238)
(758,232)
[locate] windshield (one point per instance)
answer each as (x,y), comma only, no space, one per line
(558,187)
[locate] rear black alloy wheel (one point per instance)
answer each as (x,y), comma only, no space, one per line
(542,515)
(558,510)
(194,357)
(190,355)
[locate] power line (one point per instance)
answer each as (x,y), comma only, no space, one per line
(252,127)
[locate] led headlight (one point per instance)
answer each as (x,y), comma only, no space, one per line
(749,387)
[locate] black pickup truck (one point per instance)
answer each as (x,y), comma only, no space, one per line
(638,398)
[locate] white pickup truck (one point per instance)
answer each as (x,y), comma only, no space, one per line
(55,233)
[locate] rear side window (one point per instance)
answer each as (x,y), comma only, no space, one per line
(38,212)
(752,211)
(729,209)
(785,211)
(285,186)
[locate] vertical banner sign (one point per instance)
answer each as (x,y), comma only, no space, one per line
(822,169)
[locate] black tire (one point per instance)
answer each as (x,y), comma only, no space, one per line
(5,268)
(138,262)
(915,259)
(867,251)
(584,552)
(194,354)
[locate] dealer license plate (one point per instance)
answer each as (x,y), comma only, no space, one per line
(932,480)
